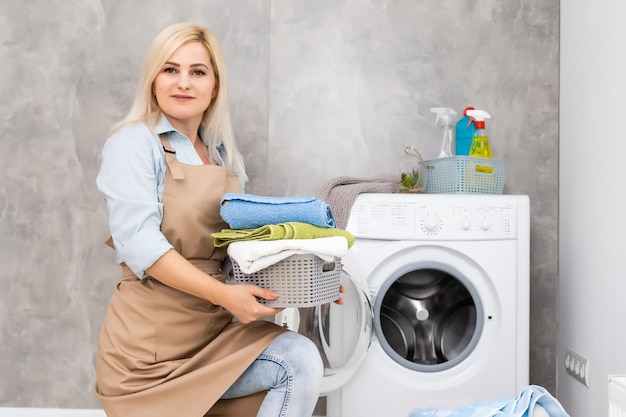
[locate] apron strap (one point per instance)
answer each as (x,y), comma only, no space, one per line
(170,158)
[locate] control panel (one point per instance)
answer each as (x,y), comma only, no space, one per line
(432,220)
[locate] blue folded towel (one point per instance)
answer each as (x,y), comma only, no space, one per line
(247,211)
(520,406)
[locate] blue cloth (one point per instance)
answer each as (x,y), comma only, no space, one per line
(520,406)
(247,211)
(132,177)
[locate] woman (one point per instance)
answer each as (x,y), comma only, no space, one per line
(176,339)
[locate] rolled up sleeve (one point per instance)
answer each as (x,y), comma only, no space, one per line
(131,177)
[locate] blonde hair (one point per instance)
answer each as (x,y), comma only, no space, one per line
(215,127)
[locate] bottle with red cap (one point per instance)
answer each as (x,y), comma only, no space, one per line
(464,133)
(480,142)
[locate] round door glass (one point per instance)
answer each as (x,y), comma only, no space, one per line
(428,319)
(342,333)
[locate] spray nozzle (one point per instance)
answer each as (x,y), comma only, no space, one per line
(479,117)
(444,115)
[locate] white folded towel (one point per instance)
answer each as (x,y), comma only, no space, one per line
(254,255)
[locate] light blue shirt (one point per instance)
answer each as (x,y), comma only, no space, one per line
(132,177)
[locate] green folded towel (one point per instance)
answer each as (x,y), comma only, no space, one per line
(288,230)
(268,232)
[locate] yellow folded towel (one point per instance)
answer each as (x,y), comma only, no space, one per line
(288,230)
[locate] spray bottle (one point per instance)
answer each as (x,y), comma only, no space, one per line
(444,119)
(464,133)
(480,142)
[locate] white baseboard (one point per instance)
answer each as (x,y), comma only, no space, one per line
(50,412)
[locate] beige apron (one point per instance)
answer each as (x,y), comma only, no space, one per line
(163,352)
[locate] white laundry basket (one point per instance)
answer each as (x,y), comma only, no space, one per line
(304,280)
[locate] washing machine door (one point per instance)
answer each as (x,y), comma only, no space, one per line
(342,333)
(430,317)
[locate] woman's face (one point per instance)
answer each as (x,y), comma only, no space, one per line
(186,84)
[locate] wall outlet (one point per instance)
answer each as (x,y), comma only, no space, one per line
(577,366)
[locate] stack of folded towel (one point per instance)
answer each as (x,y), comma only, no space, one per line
(267,230)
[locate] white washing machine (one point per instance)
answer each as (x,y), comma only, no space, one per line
(436,311)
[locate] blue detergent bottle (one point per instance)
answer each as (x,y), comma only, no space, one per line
(464,133)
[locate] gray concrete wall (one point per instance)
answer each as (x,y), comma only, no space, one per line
(319,89)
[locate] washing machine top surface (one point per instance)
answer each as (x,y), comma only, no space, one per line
(436,216)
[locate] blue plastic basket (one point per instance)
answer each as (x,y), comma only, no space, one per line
(465,175)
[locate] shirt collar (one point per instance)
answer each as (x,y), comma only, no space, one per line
(163,126)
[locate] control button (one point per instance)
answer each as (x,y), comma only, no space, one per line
(484,225)
(466,224)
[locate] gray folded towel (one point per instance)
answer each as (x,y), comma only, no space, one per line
(340,193)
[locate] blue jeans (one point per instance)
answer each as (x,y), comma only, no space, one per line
(291,370)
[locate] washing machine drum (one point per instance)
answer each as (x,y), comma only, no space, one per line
(342,333)
(427,319)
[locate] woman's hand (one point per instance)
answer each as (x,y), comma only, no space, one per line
(339,300)
(342,289)
(241,301)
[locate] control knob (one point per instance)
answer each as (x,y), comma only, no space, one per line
(431,224)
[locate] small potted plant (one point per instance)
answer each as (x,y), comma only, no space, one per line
(413,182)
